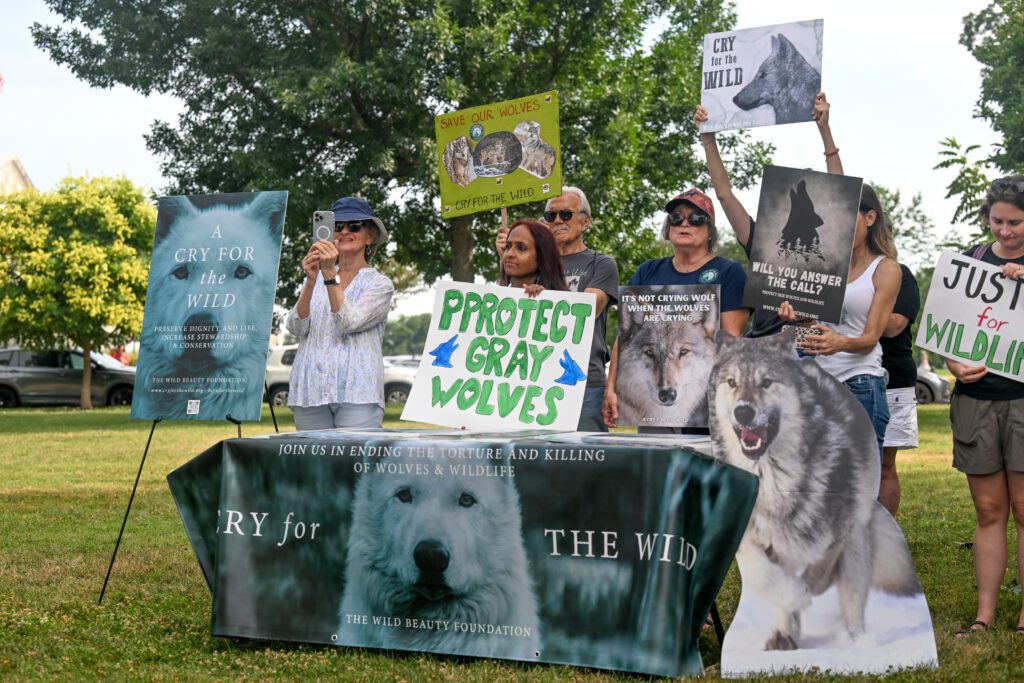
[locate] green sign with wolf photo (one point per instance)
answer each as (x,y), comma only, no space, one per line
(499,155)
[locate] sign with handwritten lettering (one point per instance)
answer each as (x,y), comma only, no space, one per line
(499,155)
(500,360)
(973,316)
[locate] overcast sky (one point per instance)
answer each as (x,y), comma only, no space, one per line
(896,75)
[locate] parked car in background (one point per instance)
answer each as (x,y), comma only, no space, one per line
(931,388)
(398,379)
(54,377)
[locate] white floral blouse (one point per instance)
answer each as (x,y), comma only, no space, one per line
(339,359)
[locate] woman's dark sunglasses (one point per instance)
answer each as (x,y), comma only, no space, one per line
(696,219)
(565,214)
(353,226)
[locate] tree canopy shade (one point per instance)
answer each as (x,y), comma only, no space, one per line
(74,264)
(325,99)
(995,36)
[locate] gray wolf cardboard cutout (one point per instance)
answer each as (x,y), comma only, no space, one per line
(816,524)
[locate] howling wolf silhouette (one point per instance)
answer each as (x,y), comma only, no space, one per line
(800,235)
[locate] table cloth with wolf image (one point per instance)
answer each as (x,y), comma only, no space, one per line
(591,550)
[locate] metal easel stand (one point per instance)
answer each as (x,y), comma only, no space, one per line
(128,509)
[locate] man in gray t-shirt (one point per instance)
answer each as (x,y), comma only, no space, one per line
(585,271)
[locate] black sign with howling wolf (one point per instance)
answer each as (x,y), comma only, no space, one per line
(801,243)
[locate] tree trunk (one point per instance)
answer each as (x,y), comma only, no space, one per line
(462,248)
(87,375)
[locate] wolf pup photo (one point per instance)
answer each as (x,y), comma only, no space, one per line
(761,76)
(824,566)
(666,350)
(437,563)
(209,306)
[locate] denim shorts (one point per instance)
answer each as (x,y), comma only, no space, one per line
(870,393)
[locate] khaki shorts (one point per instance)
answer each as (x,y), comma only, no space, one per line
(988,436)
(901,432)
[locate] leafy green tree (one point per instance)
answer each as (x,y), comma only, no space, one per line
(406,335)
(75,264)
(324,99)
(916,240)
(970,185)
(995,36)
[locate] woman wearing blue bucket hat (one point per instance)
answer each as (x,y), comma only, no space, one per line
(337,379)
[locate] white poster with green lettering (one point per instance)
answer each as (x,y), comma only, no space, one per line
(973,315)
(496,359)
(499,155)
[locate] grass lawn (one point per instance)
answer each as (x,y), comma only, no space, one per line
(66,479)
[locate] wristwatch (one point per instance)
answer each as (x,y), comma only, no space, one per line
(333,281)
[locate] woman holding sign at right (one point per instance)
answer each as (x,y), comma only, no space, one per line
(987,414)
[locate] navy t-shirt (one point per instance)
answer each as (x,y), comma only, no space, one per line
(717,271)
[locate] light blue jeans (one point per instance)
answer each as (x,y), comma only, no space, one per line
(870,392)
(338,415)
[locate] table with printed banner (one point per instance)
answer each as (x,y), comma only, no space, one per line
(592,550)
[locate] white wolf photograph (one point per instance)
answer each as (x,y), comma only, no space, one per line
(761,76)
(828,580)
(666,350)
(209,306)
(442,559)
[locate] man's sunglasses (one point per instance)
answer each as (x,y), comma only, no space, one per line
(353,226)
(696,219)
(565,214)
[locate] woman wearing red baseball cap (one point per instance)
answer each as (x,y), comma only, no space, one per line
(689,227)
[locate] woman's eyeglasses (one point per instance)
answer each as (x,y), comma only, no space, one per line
(565,214)
(696,219)
(353,226)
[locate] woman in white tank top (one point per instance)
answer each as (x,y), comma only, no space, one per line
(849,350)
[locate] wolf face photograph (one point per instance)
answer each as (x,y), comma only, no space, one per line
(761,76)
(209,306)
(443,558)
(665,357)
(824,566)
